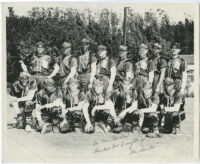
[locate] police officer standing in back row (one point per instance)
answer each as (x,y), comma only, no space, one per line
(176,76)
(124,67)
(124,72)
(160,67)
(106,68)
(176,69)
(144,68)
(68,65)
(40,65)
(86,66)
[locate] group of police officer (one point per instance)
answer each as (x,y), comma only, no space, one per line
(97,93)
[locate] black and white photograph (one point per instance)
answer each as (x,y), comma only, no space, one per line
(99,82)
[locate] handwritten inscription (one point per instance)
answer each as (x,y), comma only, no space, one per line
(134,143)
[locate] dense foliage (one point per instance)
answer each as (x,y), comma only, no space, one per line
(53,26)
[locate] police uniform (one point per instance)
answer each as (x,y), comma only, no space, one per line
(66,63)
(172,119)
(40,66)
(50,115)
(27,106)
(84,66)
(142,69)
(75,119)
(150,119)
(125,100)
(175,68)
(95,99)
(104,66)
(123,66)
(159,64)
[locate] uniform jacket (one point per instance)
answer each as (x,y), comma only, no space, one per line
(44,97)
(40,65)
(123,66)
(66,63)
(144,69)
(85,61)
(146,103)
(73,99)
(104,65)
(175,68)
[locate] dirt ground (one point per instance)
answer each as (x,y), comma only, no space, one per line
(103,147)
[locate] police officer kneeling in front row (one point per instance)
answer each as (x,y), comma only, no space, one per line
(23,100)
(172,107)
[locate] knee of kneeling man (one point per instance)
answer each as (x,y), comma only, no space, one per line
(135,113)
(106,111)
(28,103)
(153,115)
(29,106)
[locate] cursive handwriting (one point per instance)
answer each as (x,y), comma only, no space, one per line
(134,144)
(122,136)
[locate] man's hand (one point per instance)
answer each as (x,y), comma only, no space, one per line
(89,127)
(90,86)
(67,110)
(157,90)
(16,100)
(141,111)
(63,112)
(93,111)
(64,122)
(109,103)
(39,107)
(182,91)
(117,120)
(122,115)
(109,89)
(40,123)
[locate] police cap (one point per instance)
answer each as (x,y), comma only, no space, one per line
(24,74)
(123,48)
(39,44)
(66,45)
(102,47)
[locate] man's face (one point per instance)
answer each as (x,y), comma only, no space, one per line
(50,88)
(24,81)
(147,93)
(66,50)
(175,51)
(98,89)
(40,49)
(142,53)
(73,86)
(156,50)
(169,90)
(85,46)
(122,53)
(126,87)
(102,53)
